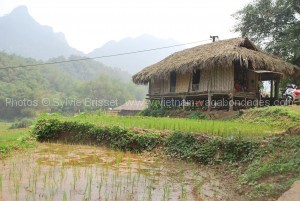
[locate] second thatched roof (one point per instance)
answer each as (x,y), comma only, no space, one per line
(221,53)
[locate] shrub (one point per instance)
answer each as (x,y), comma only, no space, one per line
(23,123)
(115,136)
(197,115)
(210,150)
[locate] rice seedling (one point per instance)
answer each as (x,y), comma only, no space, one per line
(20,174)
(107,197)
(90,187)
(183,191)
(1,184)
(213,127)
(74,178)
(64,196)
(17,188)
(132,184)
(121,176)
(150,190)
(35,178)
(100,188)
(166,191)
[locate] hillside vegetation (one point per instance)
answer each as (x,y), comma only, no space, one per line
(24,89)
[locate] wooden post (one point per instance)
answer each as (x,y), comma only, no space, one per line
(276,88)
(183,103)
(272,89)
(259,96)
(162,103)
(209,102)
(230,102)
(150,103)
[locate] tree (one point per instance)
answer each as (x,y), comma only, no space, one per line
(274,24)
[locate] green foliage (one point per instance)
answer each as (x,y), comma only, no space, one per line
(23,123)
(74,132)
(197,115)
(153,112)
(276,116)
(210,150)
(12,139)
(279,156)
(48,129)
(24,89)
(238,149)
(275,167)
(274,25)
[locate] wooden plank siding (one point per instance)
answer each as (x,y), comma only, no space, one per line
(215,80)
(182,82)
(154,87)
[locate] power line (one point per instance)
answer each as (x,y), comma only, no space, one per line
(104,56)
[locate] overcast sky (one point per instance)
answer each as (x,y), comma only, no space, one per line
(88,24)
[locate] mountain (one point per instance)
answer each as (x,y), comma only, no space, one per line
(22,35)
(135,62)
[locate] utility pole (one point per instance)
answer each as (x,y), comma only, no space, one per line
(214,38)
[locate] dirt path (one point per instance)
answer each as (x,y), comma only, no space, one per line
(293,194)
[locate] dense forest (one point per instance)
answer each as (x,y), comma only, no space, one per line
(66,88)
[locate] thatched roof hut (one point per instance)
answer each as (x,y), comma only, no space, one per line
(218,54)
(131,107)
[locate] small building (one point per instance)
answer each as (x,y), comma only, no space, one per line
(131,107)
(231,69)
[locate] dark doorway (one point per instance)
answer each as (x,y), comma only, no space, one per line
(172,81)
(196,80)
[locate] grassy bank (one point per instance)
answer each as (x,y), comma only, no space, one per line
(200,148)
(12,139)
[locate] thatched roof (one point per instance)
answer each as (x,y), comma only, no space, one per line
(132,105)
(221,53)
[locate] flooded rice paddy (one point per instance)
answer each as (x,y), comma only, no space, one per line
(77,172)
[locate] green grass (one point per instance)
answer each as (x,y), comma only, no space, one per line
(12,138)
(279,116)
(211,127)
(274,170)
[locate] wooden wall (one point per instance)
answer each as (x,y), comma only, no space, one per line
(154,87)
(159,86)
(182,82)
(218,79)
(252,81)
(165,87)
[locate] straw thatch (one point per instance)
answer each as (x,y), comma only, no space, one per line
(132,105)
(221,53)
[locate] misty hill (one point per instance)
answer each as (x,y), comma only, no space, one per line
(27,87)
(22,35)
(135,62)
(89,69)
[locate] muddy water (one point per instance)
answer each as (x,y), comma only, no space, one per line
(75,172)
